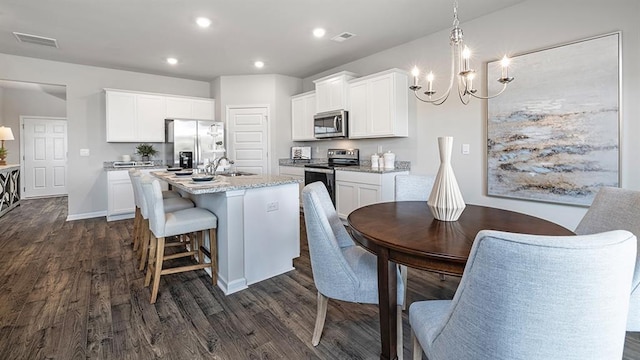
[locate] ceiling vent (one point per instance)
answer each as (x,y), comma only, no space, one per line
(34,39)
(342,37)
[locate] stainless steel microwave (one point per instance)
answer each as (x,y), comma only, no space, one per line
(330,124)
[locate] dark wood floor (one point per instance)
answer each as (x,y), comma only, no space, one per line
(70,290)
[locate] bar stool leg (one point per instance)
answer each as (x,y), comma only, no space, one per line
(213,249)
(158,269)
(136,229)
(152,256)
(144,245)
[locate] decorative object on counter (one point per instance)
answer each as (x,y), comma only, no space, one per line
(374,161)
(460,54)
(125,158)
(5,134)
(146,151)
(389,159)
(301,153)
(445,201)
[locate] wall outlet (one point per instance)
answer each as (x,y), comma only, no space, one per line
(272,206)
(85,152)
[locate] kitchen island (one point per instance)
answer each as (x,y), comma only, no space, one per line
(258,224)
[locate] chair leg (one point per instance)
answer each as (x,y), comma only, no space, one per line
(144,246)
(136,229)
(320,317)
(152,256)
(157,269)
(399,340)
(404,276)
(417,349)
(442,278)
(213,249)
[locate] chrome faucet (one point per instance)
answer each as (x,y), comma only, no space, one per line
(216,163)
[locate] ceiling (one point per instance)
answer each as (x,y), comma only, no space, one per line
(138,35)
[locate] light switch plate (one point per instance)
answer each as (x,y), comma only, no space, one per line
(465,149)
(85,152)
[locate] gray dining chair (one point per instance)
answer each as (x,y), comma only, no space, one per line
(413,187)
(341,269)
(617,209)
(533,297)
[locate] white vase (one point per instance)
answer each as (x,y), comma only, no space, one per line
(446,201)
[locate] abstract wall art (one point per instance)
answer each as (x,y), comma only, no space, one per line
(554,134)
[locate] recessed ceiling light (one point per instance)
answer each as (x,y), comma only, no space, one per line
(172,61)
(203,22)
(319,32)
(259,64)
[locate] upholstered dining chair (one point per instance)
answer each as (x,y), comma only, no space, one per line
(164,224)
(533,297)
(141,232)
(341,269)
(617,209)
(413,187)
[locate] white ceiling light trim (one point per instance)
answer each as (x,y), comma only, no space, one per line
(259,64)
(319,32)
(172,61)
(203,22)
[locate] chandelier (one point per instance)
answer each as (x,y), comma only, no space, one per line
(466,74)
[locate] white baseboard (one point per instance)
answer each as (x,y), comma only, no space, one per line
(90,215)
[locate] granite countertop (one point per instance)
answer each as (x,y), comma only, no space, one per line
(223,183)
(365,166)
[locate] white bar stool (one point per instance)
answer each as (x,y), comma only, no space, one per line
(164,224)
(170,204)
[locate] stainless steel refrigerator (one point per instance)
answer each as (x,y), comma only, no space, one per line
(191,144)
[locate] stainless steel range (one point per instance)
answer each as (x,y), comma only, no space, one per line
(325,172)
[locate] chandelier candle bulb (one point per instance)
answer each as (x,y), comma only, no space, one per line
(430,81)
(466,55)
(415,72)
(505,66)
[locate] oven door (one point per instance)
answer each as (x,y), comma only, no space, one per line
(325,176)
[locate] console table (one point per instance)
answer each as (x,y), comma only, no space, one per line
(9,187)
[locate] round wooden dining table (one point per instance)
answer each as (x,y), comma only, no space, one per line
(405,232)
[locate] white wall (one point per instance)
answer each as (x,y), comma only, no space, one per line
(86,117)
(17,102)
(531,25)
(271,90)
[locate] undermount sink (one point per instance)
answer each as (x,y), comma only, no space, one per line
(236,173)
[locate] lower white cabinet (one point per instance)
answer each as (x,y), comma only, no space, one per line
(357,189)
(120,201)
(295,172)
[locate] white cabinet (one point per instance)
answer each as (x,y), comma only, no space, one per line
(149,118)
(295,172)
(139,117)
(357,189)
(189,108)
(379,105)
(332,92)
(303,107)
(120,201)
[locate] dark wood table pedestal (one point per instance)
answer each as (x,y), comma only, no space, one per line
(406,233)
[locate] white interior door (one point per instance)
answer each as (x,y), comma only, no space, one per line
(44,154)
(248,138)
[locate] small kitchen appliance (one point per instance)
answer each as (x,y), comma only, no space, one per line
(330,124)
(300,152)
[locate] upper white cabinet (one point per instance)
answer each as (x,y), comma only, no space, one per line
(303,107)
(139,117)
(188,108)
(332,92)
(134,117)
(379,105)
